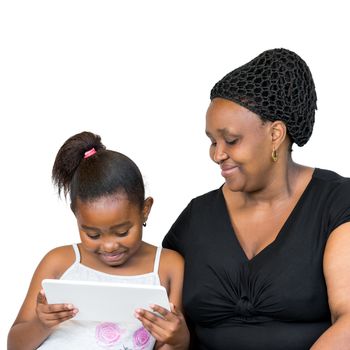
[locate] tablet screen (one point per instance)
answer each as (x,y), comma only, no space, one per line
(105,301)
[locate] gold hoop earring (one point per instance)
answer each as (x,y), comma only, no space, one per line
(274,156)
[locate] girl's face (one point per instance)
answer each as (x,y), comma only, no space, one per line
(240,143)
(111,227)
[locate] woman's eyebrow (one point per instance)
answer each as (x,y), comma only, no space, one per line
(223,131)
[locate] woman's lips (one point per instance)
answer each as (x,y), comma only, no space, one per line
(227,171)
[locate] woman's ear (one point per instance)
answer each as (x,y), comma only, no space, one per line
(147,206)
(278,133)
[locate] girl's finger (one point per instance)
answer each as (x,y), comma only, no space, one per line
(41,298)
(166,314)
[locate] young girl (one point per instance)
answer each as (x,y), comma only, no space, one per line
(108,200)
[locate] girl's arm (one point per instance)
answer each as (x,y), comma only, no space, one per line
(336,266)
(36,319)
(170,331)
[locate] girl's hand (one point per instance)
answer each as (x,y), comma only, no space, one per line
(170,328)
(50,315)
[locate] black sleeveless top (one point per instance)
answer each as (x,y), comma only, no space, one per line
(278,299)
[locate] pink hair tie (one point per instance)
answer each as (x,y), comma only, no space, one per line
(89,153)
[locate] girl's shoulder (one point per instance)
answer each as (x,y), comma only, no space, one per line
(61,254)
(171,256)
(171,271)
(171,263)
(58,260)
(166,255)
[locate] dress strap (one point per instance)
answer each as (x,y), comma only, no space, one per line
(77,253)
(157,259)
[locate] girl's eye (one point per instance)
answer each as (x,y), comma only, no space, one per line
(97,236)
(92,235)
(123,234)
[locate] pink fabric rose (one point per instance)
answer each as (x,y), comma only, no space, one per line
(107,333)
(141,338)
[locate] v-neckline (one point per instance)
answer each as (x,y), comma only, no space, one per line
(280,232)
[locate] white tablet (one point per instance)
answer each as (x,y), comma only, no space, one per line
(105,301)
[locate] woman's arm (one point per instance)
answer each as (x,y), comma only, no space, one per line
(170,331)
(36,319)
(336,266)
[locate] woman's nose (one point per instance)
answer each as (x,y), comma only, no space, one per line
(219,153)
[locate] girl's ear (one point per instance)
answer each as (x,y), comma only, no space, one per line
(147,206)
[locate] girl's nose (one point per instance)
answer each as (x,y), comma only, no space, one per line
(110,244)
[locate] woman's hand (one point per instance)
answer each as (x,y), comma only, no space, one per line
(169,327)
(50,315)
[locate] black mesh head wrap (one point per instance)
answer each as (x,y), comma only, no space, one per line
(276,85)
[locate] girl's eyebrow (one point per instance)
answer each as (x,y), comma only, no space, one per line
(91,228)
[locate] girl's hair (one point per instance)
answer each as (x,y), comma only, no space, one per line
(87,176)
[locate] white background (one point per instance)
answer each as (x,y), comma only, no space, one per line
(139,74)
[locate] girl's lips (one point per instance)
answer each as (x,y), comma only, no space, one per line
(112,257)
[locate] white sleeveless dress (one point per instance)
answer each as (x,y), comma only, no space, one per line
(75,335)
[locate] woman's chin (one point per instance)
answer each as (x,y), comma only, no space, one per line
(233,185)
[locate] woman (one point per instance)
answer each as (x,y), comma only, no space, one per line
(267,255)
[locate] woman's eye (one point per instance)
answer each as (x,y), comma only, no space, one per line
(229,142)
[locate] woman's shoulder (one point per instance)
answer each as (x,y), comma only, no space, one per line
(199,206)
(332,192)
(204,201)
(329,182)
(208,196)
(332,195)
(330,176)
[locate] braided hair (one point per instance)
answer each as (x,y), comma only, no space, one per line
(276,85)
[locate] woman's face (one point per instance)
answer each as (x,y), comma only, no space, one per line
(240,143)
(111,227)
